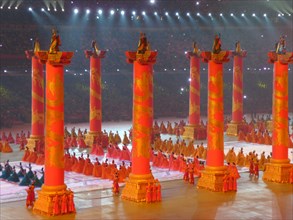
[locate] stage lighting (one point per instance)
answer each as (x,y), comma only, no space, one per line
(100,11)
(143,13)
(232,14)
(5,71)
(112,12)
(264,15)
(198,14)
(221,14)
(9,7)
(88,11)
(16,7)
(253,15)
(1,7)
(210,14)
(122,12)
(166,13)
(279,15)
(242,15)
(30,9)
(55,9)
(133,12)
(42,9)
(155,13)
(177,14)
(152,1)
(245,96)
(75,11)
(189,79)
(197,3)
(188,14)
(62,9)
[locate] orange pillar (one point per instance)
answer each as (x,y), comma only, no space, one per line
(237,99)
(278,170)
(212,176)
(95,116)
(54,136)
(37,106)
(194,97)
(135,188)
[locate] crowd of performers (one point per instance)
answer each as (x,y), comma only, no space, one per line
(21,177)
(177,156)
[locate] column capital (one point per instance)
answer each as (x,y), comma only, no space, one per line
(222,57)
(242,53)
(101,54)
(60,58)
(29,54)
(149,57)
(286,58)
(190,54)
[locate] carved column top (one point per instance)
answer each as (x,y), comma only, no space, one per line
(286,58)
(29,54)
(57,59)
(222,57)
(242,53)
(190,54)
(101,54)
(149,57)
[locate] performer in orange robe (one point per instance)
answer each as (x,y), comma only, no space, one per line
(97,171)
(148,198)
(115,184)
(159,193)
(64,204)
(71,206)
(30,199)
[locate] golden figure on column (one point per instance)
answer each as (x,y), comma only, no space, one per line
(237,100)
(278,170)
(54,187)
(95,117)
(212,176)
(142,120)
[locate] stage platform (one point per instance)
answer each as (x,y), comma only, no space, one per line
(255,199)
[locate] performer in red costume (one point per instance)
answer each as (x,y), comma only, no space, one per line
(30,199)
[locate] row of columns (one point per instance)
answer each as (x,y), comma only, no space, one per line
(135,189)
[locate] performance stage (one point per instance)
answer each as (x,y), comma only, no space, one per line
(93,196)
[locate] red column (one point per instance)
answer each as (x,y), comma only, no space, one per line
(135,188)
(212,176)
(95,116)
(37,103)
(191,130)
(237,98)
(237,102)
(278,170)
(194,93)
(54,136)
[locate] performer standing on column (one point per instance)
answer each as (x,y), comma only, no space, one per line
(37,107)
(278,170)
(237,99)
(143,60)
(95,116)
(54,136)
(212,177)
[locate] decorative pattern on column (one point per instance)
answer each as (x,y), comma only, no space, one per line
(37,106)
(237,99)
(278,170)
(140,176)
(95,116)
(193,128)
(54,187)
(212,176)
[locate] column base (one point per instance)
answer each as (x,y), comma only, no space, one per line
(277,171)
(212,179)
(233,129)
(191,131)
(135,188)
(31,142)
(90,137)
(44,205)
